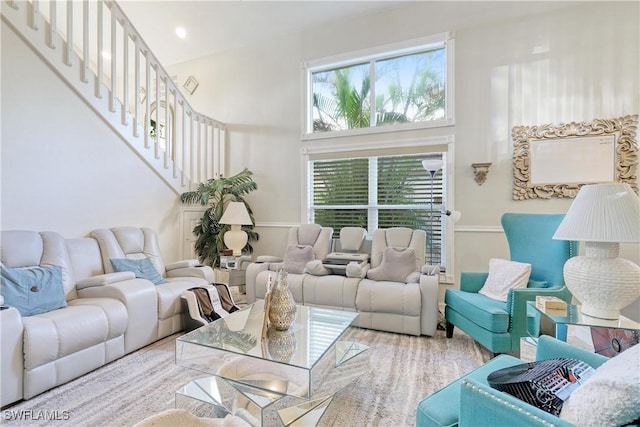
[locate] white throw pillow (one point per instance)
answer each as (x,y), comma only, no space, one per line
(610,396)
(505,275)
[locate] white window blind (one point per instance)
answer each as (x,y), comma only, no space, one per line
(380,192)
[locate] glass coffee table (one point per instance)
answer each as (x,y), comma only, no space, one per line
(289,378)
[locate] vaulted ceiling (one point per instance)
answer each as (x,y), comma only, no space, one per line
(214,26)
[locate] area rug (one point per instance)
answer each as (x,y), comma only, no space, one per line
(404,370)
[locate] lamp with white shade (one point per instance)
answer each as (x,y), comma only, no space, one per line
(602,216)
(236,215)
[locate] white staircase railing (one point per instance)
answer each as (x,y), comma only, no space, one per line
(94,46)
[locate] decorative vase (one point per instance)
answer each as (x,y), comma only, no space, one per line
(282,344)
(282,309)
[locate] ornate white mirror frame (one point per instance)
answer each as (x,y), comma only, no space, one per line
(556,160)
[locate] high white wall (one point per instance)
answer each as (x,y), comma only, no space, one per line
(63,168)
(577,62)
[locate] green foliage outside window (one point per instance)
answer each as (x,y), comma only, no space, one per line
(408,89)
(341,192)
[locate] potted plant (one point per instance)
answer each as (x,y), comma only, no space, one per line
(217,192)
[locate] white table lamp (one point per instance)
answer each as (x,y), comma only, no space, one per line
(236,215)
(602,216)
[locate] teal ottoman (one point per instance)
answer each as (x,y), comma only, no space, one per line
(443,407)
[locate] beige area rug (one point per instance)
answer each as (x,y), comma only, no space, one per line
(404,370)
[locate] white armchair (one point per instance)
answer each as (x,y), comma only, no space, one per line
(398,293)
(305,243)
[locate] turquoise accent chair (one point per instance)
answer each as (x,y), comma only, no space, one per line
(470,401)
(498,325)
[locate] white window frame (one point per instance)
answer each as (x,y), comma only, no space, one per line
(446,40)
(419,145)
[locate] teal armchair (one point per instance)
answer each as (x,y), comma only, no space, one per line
(480,404)
(470,401)
(497,325)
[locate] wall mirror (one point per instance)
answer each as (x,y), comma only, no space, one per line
(556,160)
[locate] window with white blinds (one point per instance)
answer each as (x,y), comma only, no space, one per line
(380,192)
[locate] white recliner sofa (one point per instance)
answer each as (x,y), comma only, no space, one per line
(138,295)
(399,292)
(305,243)
(138,243)
(102,315)
(62,344)
(323,288)
(395,292)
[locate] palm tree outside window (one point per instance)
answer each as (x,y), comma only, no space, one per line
(406,89)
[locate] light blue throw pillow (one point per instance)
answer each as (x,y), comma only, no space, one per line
(143,269)
(32,290)
(537,284)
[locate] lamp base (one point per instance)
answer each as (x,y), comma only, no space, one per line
(236,239)
(602,282)
(600,313)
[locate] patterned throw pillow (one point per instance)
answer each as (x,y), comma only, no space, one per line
(142,268)
(32,290)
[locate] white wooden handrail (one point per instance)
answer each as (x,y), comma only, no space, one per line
(95,47)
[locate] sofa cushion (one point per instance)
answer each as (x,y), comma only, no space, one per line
(503,276)
(397,264)
(610,396)
(143,269)
(308,234)
(396,298)
(32,290)
(297,257)
(487,313)
(84,323)
(169,295)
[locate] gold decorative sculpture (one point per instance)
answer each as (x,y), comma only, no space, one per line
(282,307)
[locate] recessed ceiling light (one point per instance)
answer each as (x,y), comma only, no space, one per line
(181,32)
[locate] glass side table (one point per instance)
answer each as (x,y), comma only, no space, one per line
(553,322)
(232,271)
(556,322)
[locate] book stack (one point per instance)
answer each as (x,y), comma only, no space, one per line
(547,303)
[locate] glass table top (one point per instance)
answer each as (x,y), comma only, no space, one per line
(573,316)
(314,331)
